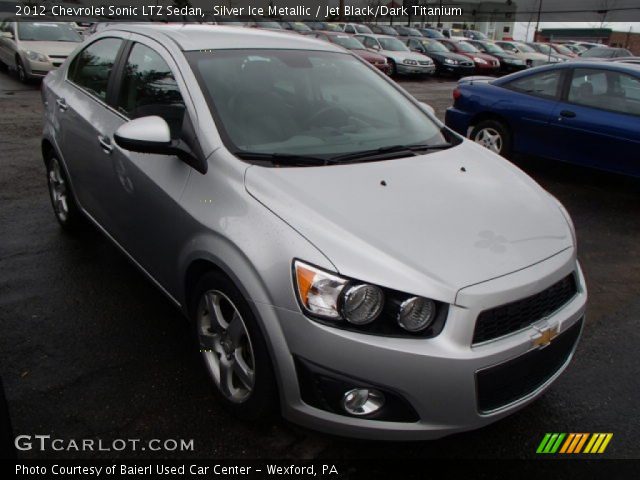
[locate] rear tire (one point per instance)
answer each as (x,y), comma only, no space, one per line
(493,135)
(233,348)
(64,206)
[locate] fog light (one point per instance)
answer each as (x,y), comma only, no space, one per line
(362,401)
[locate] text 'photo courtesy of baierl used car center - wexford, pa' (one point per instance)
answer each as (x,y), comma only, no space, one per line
(336,238)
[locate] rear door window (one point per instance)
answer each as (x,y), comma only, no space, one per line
(544,84)
(91,68)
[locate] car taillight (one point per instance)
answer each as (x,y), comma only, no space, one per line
(456,94)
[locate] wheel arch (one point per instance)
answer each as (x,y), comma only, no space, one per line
(204,263)
(482,116)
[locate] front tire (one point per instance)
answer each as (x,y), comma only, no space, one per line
(64,206)
(493,135)
(21,71)
(233,348)
(394,68)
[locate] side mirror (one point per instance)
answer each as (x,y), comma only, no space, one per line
(145,135)
(7,35)
(428,108)
(376,47)
(151,134)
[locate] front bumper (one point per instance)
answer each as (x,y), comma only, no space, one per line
(512,67)
(404,69)
(437,376)
(38,69)
(457,70)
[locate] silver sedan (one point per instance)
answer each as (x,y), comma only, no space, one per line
(339,252)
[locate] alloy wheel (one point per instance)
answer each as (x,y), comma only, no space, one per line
(226,346)
(58,191)
(489,138)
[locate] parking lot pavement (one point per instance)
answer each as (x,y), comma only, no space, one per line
(89,348)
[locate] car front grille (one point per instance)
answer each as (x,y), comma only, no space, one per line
(508,382)
(517,315)
(424,63)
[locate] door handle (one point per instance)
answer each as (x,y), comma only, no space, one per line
(105,144)
(62,104)
(567,114)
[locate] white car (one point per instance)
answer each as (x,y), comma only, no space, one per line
(402,60)
(526,53)
(33,49)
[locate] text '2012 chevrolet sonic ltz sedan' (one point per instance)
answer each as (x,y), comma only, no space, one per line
(341,253)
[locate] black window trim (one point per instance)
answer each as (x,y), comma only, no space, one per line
(567,85)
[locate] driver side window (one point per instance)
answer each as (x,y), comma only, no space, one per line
(150,88)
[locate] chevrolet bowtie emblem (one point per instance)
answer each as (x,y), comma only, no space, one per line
(544,336)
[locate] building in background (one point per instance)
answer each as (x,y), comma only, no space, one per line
(607,36)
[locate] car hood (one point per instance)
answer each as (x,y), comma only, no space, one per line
(432,230)
(400,56)
(453,56)
(50,48)
(369,56)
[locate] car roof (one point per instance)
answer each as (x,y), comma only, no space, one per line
(603,65)
(202,37)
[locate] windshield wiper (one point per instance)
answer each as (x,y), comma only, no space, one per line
(384,153)
(285,159)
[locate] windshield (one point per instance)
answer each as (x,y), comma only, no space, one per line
(467,47)
(477,35)
(545,49)
(307,103)
(434,46)
(47,32)
(562,49)
(524,48)
(407,31)
(331,27)
(274,25)
(362,29)
(599,53)
(392,44)
(492,48)
(346,41)
(427,32)
(388,30)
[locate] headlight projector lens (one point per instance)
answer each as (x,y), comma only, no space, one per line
(416,314)
(362,304)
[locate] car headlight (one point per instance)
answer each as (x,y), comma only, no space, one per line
(479,60)
(416,314)
(409,62)
(450,61)
(36,56)
(354,305)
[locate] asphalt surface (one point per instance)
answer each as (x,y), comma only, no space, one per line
(89,348)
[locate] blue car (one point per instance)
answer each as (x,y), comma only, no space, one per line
(586,113)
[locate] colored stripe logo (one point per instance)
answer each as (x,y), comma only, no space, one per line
(569,443)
